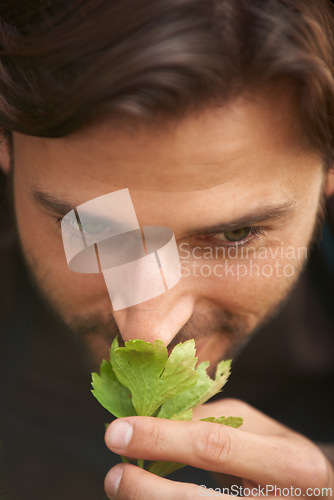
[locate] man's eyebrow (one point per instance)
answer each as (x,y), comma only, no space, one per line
(62,207)
(264,213)
(52,203)
(261,214)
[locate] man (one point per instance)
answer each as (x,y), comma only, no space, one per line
(218,118)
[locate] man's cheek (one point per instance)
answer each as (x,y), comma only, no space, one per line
(68,292)
(251,286)
(38,238)
(73,293)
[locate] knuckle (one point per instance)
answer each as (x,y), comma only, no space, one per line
(214,445)
(317,470)
(154,436)
(312,471)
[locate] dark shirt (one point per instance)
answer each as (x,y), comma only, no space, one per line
(52,428)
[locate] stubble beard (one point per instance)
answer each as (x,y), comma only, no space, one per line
(94,333)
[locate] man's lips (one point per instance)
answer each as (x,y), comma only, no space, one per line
(200,344)
(213,348)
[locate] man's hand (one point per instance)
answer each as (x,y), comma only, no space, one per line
(262,452)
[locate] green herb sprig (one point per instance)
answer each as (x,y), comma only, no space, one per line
(140,379)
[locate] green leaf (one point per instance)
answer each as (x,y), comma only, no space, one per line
(151,376)
(230,421)
(195,396)
(186,415)
(140,379)
(182,355)
(162,469)
(110,393)
(223,371)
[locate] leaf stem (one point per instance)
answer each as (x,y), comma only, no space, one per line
(140,463)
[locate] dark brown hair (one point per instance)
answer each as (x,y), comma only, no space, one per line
(64,61)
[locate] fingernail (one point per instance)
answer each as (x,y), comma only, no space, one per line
(112,481)
(119,434)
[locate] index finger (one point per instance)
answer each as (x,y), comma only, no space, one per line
(209,446)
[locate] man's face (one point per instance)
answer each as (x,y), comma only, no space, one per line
(226,180)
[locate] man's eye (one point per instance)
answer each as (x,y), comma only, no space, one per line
(235,236)
(91,227)
(94,227)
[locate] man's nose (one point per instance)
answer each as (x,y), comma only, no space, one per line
(159,318)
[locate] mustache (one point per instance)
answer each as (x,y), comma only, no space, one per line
(198,327)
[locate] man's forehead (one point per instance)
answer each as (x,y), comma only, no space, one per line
(198,152)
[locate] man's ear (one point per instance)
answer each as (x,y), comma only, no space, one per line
(330,183)
(5,153)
